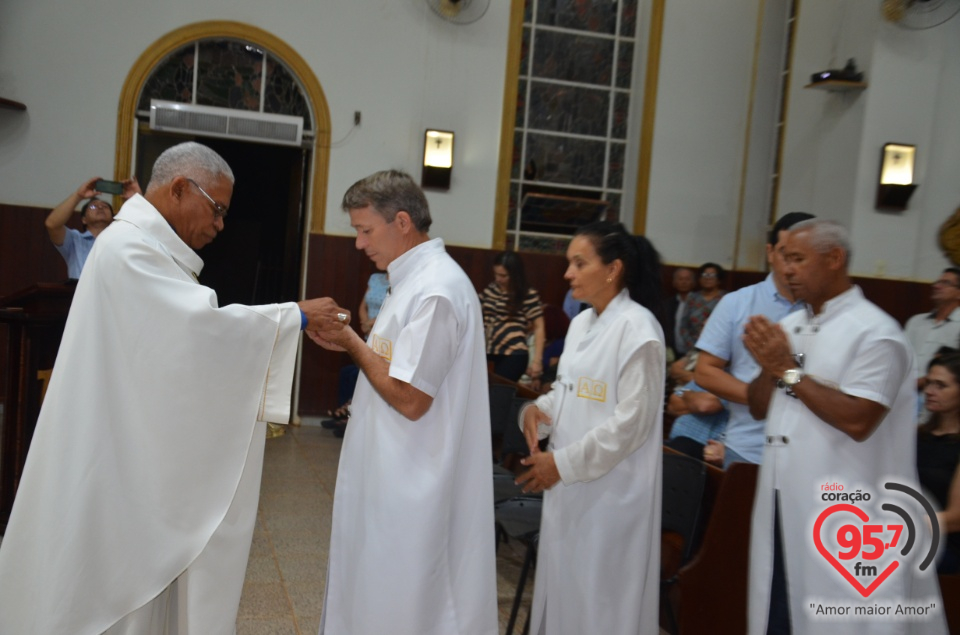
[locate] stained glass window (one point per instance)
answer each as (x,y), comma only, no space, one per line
(573,106)
(228,74)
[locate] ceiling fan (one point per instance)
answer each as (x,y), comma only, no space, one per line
(919,14)
(459,11)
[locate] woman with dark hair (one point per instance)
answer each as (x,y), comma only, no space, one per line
(511,311)
(599,551)
(938,441)
(700,303)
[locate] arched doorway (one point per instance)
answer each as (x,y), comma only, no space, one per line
(280,193)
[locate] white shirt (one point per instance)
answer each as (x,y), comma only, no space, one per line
(411,545)
(855,347)
(926,335)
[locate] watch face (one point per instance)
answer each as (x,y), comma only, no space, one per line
(792,377)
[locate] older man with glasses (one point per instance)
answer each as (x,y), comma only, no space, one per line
(136,507)
(95,215)
(927,332)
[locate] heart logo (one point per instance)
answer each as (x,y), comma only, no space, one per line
(862,515)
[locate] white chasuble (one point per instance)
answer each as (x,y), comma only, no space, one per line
(599,554)
(148,423)
(411,545)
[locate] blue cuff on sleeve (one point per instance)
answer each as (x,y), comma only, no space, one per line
(303,320)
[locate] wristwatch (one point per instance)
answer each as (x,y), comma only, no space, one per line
(792,377)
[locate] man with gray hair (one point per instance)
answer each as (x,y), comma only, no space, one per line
(135,510)
(411,542)
(837,389)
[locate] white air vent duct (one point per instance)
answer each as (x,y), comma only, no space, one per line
(228,123)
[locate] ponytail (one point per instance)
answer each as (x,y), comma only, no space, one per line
(641,262)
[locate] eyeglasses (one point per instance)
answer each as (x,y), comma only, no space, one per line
(219,210)
(945,283)
(708,274)
(100,206)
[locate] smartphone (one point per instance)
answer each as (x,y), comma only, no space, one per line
(108,187)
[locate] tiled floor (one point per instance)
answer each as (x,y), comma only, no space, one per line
(283,590)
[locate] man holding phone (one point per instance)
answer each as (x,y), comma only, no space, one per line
(95,215)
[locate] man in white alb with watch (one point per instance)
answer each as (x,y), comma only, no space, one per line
(837,390)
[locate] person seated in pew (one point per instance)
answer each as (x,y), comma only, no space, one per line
(938,443)
(700,304)
(701,417)
(556,324)
(684,281)
(512,311)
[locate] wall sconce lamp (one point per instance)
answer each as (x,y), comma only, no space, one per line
(437,159)
(896,176)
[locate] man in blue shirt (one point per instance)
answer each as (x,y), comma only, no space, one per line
(725,367)
(74,245)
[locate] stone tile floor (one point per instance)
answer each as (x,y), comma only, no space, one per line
(283,590)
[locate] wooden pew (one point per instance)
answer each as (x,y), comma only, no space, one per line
(950,592)
(712,590)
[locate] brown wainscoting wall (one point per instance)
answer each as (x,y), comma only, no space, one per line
(26,254)
(338,270)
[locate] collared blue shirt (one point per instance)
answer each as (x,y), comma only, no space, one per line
(75,249)
(723,337)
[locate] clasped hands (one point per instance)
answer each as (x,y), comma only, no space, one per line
(327,323)
(769,345)
(543,473)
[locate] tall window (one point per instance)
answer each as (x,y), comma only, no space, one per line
(228,74)
(791,31)
(573,105)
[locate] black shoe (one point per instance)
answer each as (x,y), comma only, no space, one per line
(340,430)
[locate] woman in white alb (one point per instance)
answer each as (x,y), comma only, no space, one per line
(599,554)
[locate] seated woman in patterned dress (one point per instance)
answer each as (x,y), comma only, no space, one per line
(700,304)
(511,311)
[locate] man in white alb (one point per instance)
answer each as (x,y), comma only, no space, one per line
(837,391)
(411,546)
(136,507)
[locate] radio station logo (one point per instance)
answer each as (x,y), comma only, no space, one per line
(866,550)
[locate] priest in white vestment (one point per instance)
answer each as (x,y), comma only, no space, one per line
(411,546)
(136,507)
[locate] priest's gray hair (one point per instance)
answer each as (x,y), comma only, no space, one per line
(389,192)
(826,235)
(192,160)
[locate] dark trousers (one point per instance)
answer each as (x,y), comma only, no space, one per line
(510,367)
(347,381)
(778,622)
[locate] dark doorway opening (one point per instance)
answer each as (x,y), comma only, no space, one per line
(257,258)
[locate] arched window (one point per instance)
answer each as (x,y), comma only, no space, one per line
(198,65)
(227,73)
